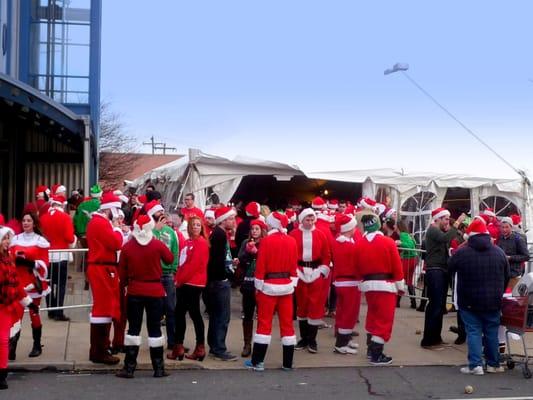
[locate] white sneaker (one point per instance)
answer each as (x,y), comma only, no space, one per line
(474,371)
(353,345)
(345,350)
(495,370)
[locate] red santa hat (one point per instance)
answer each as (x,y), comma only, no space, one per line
(489,212)
(344,223)
(350,210)
(41,190)
(223,213)
(477,227)
(109,201)
(439,213)
(58,189)
(517,219)
(367,202)
(318,203)
(390,213)
(142,199)
(2,220)
(121,196)
(58,199)
(507,220)
(209,214)
(294,203)
(305,213)
(253,209)
(333,204)
(142,229)
(277,220)
(4,230)
(261,224)
(153,207)
(291,215)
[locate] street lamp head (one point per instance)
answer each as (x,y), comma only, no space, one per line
(396,67)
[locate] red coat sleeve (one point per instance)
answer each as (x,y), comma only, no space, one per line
(325,251)
(293,252)
(69,230)
(166,255)
(397,270)
(123,267)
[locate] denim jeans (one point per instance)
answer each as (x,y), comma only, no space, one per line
(219,297)
(169,307)
(436,283)
(58,282)
(482,330)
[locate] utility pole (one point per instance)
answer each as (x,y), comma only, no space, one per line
(164,147)
(153,144)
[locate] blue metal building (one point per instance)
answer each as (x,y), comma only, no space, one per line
(49,96)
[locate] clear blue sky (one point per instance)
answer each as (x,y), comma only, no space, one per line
(301,81)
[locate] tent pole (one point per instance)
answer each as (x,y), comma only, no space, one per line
(183,187)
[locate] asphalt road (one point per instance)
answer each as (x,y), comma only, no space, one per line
(318,383)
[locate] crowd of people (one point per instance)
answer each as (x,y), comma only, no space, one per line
(301,263)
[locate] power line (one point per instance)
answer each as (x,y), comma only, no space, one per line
(425,92)
(158,145)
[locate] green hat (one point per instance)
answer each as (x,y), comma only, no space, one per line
(96,191)
(370,223)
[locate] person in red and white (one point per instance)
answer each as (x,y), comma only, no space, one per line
(190,209)
(42,196)
(333,206)
(252,210)
(59,190)
(104,239)
(30,251)
(58,229)
(379,269)
(493,226)
(346,284)
(275,279)
(13,299)
(314,257)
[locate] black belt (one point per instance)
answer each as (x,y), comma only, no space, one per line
(309,264)
(377,277)
(114,264)
(277,275)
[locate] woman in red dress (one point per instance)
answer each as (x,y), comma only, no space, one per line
(30,251)
(13,298)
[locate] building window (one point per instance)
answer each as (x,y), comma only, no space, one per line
(60,49)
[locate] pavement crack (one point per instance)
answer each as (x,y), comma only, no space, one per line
(368,384)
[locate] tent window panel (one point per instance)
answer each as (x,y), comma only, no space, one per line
(416,213)
(502,206)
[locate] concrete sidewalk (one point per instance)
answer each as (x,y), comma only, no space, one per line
(66,345)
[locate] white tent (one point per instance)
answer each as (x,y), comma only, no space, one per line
(205,175)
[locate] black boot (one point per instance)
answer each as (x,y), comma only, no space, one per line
(304,333)
(378,358)
(158,363)
(288,355)
(130,362)
(258,357)
(312,346)
(398,300)
(13,347)
(3,376)
(368,346)
(247,333)
(36,350)
(411,291)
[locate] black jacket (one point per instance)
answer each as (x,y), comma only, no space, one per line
(515,247)
(482,274)
(216,267)
(243,230)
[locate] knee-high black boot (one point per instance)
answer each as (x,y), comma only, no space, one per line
(288,355)
(312,345)
(130,362)
(411,291)
(3,377)
(368,345)
(13,347)
(304,335)
(36,350)
(258,357)
(158,363)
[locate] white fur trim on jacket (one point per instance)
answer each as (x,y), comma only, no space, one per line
(378,339)
(156,341)
(344,239)
(15,328)
(371,236)
(400,285)
(288,340)
(309,275)
(132,340)
(378,286)
(41,264)
(100,320)
(26,301)
(315,322)
(307,244)
(324,270)
(262,339)
(324,217)
(346,283)
(273,289)
(343,331)
(294,280)
(258,283)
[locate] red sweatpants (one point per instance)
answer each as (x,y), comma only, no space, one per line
(409,266)
(310,300)
(380,313)
(266,307)
(6,321)
(348,305)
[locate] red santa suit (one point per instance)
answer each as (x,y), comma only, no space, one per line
(346,285)
(379,267)
(275,279)
(323,223)
(313,269)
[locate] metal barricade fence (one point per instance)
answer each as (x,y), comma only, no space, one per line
(68,282)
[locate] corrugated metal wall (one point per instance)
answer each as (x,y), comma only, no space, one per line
(68,174)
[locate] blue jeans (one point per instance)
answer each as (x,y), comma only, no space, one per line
(482,330)
(169,307)
(436,283)
(219,298)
